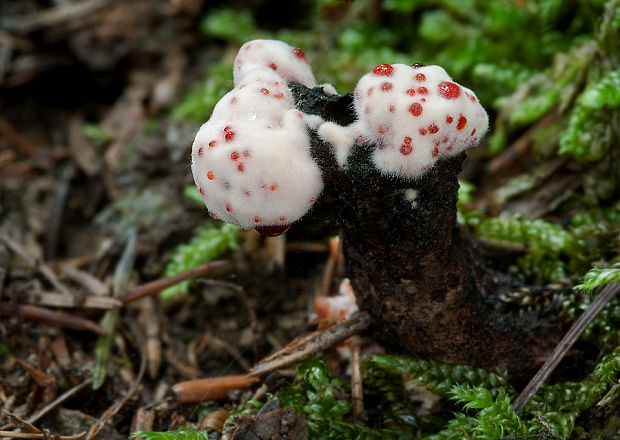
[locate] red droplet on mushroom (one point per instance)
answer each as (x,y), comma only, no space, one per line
(246,153)
(234,155)
(471,97)
(357,95)
(415,109)
(433,128)
(272,66)
(247,193)
(234,100)
(212,144)
(386,86)
(210,175)
(449,119)
(202,191)
(367,110)
(391,108)
(422,131)
(200,151)
(282,219)
(370,91)
(241,167)
(422,90)
(449,90)
(435,151)
(279,95)
(407,140)
(276,83)
(272,231)
(264,91)
(299,54)
(228,207)
(444,140)
(406,149)
(462,122)
(311,201)
(410,92)
(212,214)
(418,65)
(273,187)
(383,69)
(420,77)
(381,130)
(473,132)
(256,219)
(229,136)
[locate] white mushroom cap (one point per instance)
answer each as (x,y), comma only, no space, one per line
(415,116)
(287,61)
(251,160)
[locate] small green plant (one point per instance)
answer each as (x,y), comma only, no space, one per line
(208,242)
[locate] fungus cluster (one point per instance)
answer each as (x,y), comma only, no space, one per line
(251,160)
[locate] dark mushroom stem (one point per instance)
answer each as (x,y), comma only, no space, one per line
(411,266)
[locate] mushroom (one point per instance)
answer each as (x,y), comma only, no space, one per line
(251,160)
(385,163)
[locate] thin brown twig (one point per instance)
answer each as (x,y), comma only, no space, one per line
(64,396)
(35,263)
(608,292)
(112,410)
(154,287)
(357,391)
(52,317)
(314,343)
(42,435)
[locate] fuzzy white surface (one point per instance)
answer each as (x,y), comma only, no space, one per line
(416,116)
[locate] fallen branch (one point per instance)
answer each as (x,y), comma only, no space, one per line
(154,287)
(60,319)
(608,292)
(312,344)
(215,388)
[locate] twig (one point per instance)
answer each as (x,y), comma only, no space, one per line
(20,423)
(608,292)
(34,262)
(64,396)
(51,317)
(112,410)
(53,299)
(314,343)
(58,15)
(357,392)
(211,388)
(154,287)
(42,435)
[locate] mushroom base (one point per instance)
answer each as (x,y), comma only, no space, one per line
(411,266)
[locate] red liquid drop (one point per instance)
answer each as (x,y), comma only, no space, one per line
(449,90)
(415,109)
(272,231)
(383,69)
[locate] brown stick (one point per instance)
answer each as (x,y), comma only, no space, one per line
(34,435)
(51,317)
(115,408)
(608,292)
(34,262)
(157,286)
(314,343)
(64,396)
(211,388)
